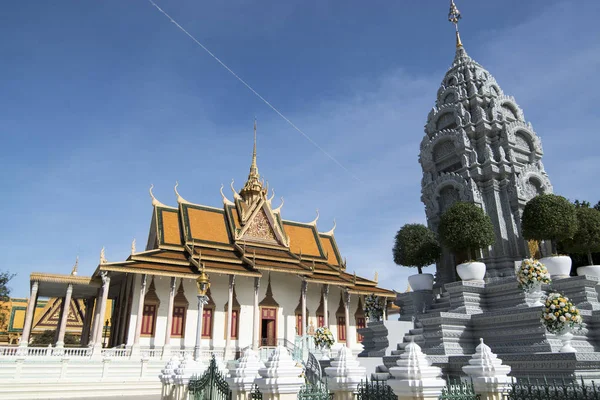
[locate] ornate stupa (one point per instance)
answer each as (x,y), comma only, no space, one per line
(478,147)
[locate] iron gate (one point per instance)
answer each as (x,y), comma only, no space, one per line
(210,386)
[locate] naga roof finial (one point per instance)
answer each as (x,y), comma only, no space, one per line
(235,194)
(155,202)
(179,198)
(74,270)
(226,201)
(278,209)
(102,257)
(330,232)
(133,247)
(314,222)
(454,16)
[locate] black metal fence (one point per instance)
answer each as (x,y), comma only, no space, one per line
(459,389)
(542,389)
(375,390)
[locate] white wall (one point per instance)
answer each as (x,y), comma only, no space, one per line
(286,291)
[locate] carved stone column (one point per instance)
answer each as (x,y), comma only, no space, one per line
(140,312)
(346,295)
(303,294)
(167,344)
(105,287)
(62,327)
(29,315)
(255,325)
(229,317)
(326,306)
(202,301)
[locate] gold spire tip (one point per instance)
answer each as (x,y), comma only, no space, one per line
(454,16)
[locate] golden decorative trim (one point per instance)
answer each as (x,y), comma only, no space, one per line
(281,269)
(175,274)
(326,282)
(60,278)
(155,260)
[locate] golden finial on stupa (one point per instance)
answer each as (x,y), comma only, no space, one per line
(253,186)
(74,270)
(454,16)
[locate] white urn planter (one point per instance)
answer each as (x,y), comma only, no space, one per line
(421,282)
(471,271)
(558,266)
(590,270)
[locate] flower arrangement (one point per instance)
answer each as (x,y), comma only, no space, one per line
(532,272)
(373,308)
(560,313)
(323,337)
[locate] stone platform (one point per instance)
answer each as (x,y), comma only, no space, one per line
(448,328)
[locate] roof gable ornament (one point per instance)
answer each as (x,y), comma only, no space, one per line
(236,196)
(180,199)
(133,247)
(314,222)
(74,270)
(330,232)
(226,201)
(155,202)
(102,257)
(278,209)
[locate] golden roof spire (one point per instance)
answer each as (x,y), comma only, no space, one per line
(454,16)
(253,187)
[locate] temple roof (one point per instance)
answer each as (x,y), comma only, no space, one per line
(245,236)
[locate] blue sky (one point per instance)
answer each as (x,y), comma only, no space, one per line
(101,99)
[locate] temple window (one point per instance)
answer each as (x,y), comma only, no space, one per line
(151,304)
(207,322)
(359,317)
(179,312)
(320,321)
(299,324)
(235,314)
(149,320)
(341,328)
(178,326)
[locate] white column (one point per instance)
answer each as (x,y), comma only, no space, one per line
(29,314)
(62,327)
(303,305)
(349,341)
(326,305)
(140,313)
(97,316)
(170,314)
(202,300)
(255,326)
(105,287)
(229,317)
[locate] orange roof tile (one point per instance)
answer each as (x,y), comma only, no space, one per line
(168,226)
(303,239)
(206,224)
(330,250)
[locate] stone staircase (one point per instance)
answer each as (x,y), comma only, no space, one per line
(441,304)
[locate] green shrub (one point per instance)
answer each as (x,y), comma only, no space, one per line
(587,237)
(416,246)
(549,217)
(465,227)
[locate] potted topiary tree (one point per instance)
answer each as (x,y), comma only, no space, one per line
(586,239)
(416,246)
(465,228)
(553,218)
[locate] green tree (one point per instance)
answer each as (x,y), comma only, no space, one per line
(587,237)
(465,227)
(5,277)
(415,246)
(47,337)
(549,217)
(582,204)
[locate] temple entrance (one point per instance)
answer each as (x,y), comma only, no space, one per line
(268,327)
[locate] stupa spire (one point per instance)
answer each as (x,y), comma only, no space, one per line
(454,16)
(253,186)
